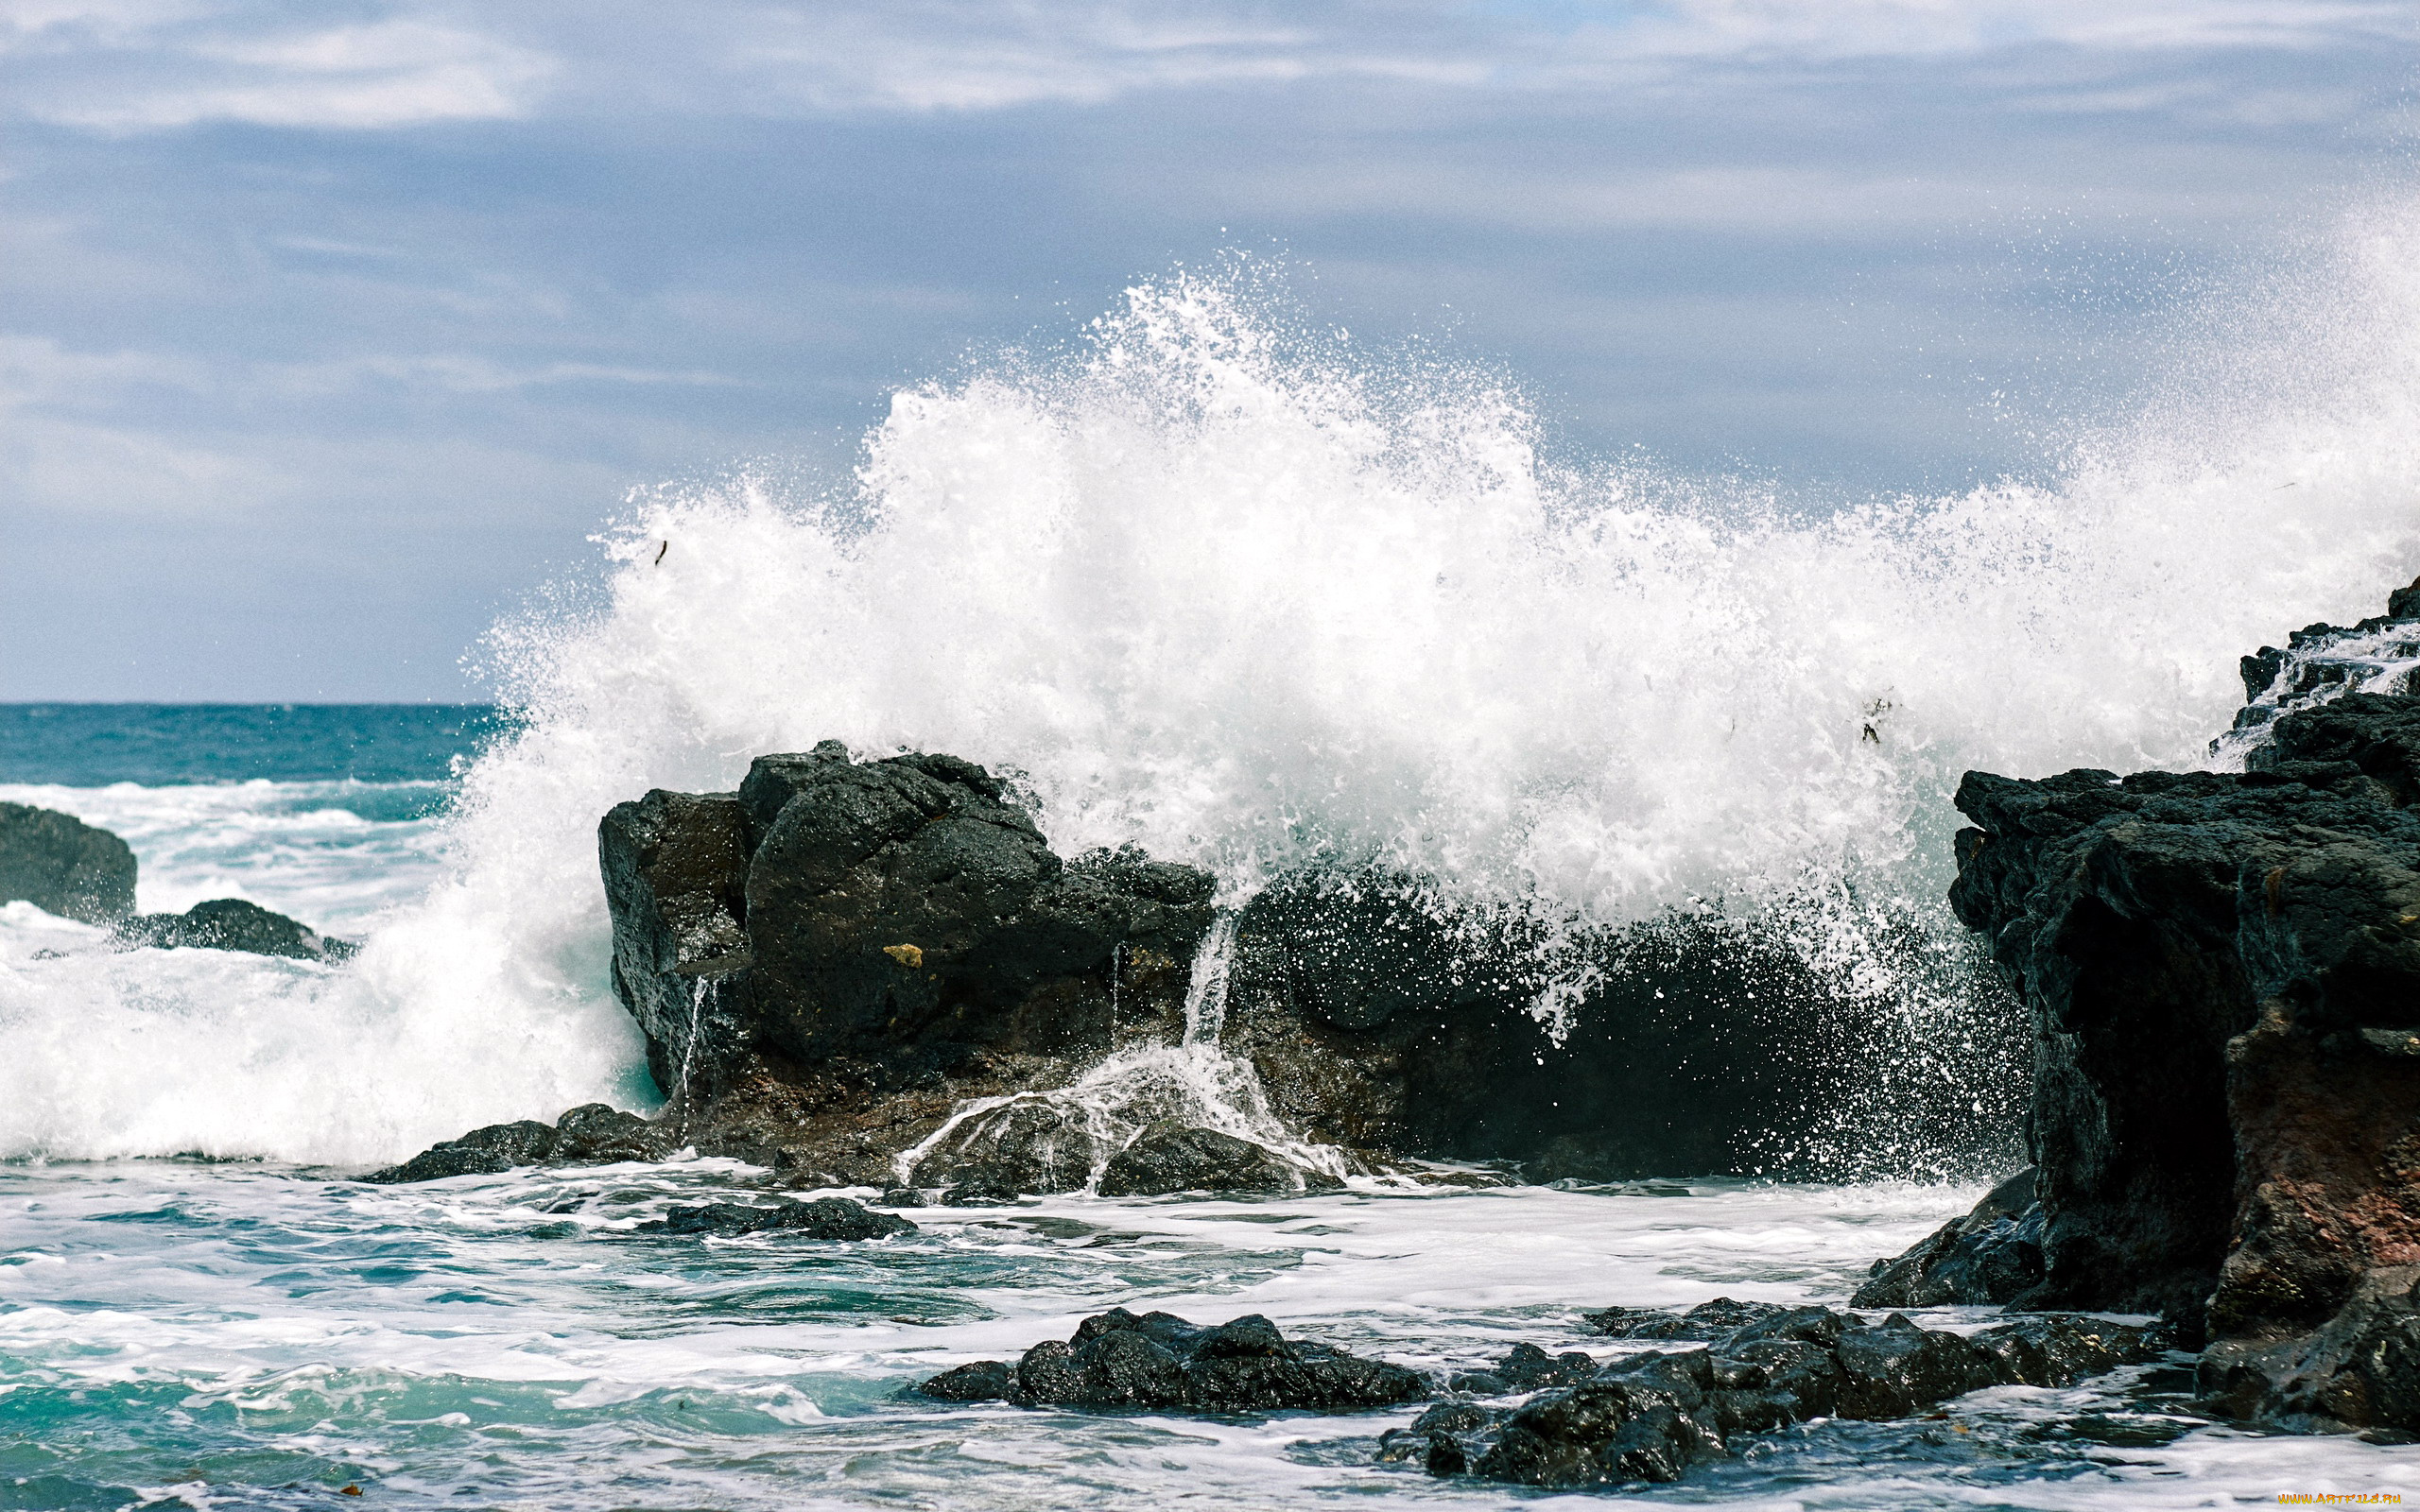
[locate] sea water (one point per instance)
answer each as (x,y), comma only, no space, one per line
(1213,582)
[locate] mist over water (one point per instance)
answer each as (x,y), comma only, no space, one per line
(1223,584)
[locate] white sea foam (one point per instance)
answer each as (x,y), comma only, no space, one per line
(1235,592)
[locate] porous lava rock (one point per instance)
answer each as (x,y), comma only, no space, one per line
(832,960)
(62,866)
(1169,1158)
(828,961)
(824,1218)
(1750,1369)
(590,1134)
(233,924)
(2223,975)
(1158,1360)
(1992,1254)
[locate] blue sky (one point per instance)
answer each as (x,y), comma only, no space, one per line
(332,330)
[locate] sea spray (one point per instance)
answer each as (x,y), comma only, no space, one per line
(1243,594)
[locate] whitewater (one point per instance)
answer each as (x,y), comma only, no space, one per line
(1215,580)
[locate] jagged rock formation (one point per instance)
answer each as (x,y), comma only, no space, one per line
(828,961)
(1160,1361)
(831,959)
(1993,1254)
(232,924)
(62,866)
(2222,972)
(1760,1366)
(590,1134)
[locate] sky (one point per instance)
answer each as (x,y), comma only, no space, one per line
(331,332)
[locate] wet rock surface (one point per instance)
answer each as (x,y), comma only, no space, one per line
(1736,1370)
(233,924)
(830,960)
(1171,1157)
(1158,1360)
(1993,1254)
(62,866)
(824,1218)
(2223,974)
(590,1134)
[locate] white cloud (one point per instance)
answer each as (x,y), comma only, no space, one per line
(98,67)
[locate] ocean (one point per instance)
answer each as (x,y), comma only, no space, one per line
(1210,586)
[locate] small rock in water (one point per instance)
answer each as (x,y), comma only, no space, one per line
(1167,1158)
(62,866)
(232,924)
(823,1219)
(1159,1360)
(1759,1367)
(590,1134)
(1993,1254)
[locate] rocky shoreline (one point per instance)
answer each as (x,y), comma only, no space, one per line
(877,974)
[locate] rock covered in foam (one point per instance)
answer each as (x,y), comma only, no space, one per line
(233,924)
(2222,972)
(1171,1157)
(590,1134)
(1159,1361)
(834,1218)
(1757,1368)
(62,866)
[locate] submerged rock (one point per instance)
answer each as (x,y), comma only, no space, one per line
(590,1134)
(1993,1254)
(1756,1367)
(1160,1361)
(232,924)
(1170,1158)
(2222,972)
(824,1218)
(62,866)
(1030,1145)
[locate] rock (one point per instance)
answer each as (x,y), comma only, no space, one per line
(1756,1368)
(1032,1143)
(1169,1158)
(2222,972)
(62,866)
(829,961)
(1993,1254)
(590,1134)
(823,1219)
(1381,1017)
(232,924)
(1159,1361)
(487,1151)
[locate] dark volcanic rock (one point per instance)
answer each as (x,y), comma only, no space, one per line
(824,1218)
(62,866)
(1758,1367)
(2223,975)
(590,1134)
(1382,1019)
(1034,1145)
(232,924)
(829,961)
(1993,1254)
(1160,1361)
(1169,1158)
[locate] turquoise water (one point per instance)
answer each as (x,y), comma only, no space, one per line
(250,1328)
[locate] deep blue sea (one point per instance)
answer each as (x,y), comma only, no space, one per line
(199,1308)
